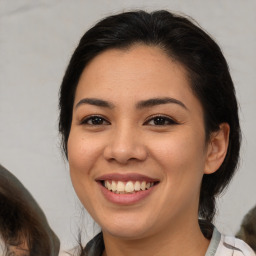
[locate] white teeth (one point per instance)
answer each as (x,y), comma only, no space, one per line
(129,187)
(108,185)
(113,186)
(137,186)
(120,187)
(143,185)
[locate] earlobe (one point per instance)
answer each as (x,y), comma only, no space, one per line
(217,148)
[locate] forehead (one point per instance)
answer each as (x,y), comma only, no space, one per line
(138,72)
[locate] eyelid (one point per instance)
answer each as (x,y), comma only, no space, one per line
(168,118)
(87,118)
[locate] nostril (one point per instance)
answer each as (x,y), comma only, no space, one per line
(125,154)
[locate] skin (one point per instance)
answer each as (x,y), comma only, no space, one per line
(129,139)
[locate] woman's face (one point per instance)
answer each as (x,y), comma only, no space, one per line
(136,148)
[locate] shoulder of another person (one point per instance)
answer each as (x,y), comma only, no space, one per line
(230,245)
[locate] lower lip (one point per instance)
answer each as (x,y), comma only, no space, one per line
(125,199)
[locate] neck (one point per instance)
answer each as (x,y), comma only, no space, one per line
(178,239)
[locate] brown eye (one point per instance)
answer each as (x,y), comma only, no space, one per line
(95,120)
(160,121)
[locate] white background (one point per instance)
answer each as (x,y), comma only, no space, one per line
(37,39)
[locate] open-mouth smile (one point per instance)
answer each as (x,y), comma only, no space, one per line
(126,189)
(130,187)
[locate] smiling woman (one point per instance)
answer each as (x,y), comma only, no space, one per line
(148,117)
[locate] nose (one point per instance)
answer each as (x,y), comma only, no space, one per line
(124,146)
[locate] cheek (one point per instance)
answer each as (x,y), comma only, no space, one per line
(82,155)
(180,153)
(83,152)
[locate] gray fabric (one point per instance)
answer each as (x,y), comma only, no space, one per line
(216,236)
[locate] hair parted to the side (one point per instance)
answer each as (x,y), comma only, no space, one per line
(186,43)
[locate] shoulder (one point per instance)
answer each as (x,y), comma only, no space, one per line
(230,245)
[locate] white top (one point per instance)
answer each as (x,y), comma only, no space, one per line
(222,245)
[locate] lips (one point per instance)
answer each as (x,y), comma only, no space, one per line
(126,189)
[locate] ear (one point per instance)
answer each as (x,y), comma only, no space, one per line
(217,148)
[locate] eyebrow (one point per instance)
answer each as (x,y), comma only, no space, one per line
(140,105)
(95,102)
(159,101)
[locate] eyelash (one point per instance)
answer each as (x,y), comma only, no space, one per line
(95,118)
(161,118)
(164,120)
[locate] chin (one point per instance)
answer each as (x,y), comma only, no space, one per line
(131,234)
(129,230)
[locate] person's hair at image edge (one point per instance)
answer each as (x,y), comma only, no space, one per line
(208,74)
(22,222)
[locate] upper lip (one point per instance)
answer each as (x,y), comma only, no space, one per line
(126,177)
